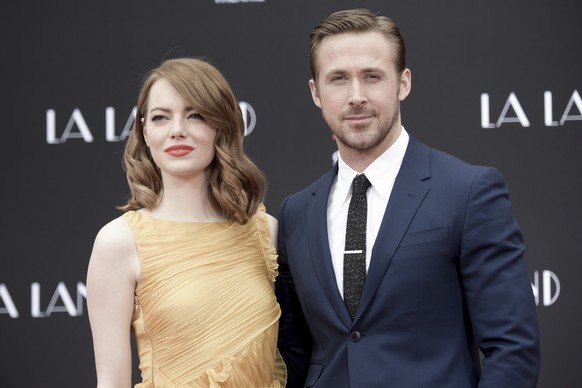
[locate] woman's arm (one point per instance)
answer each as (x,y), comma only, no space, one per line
(111,279)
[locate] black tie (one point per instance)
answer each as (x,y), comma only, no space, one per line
(355,252)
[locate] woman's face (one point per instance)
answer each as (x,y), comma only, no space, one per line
(181,142)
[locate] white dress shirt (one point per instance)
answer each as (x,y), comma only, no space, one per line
(381,173)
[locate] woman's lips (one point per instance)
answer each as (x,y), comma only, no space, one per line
(179,150)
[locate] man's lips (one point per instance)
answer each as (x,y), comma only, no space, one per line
(358,118)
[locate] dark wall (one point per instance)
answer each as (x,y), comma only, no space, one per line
(70,75)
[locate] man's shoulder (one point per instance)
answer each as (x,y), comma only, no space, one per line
(445,168)
(439,158)
(323,183)
(321,186)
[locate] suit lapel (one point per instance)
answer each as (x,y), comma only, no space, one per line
(316,222)
(408,193)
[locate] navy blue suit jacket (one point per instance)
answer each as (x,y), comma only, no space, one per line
(446,279)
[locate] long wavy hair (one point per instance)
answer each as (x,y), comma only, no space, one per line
(236,186)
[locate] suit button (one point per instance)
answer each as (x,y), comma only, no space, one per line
(355,336)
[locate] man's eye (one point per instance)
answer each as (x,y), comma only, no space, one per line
(338,78)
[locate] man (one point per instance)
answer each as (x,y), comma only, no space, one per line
(417,279)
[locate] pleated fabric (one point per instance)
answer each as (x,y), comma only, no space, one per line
(205,312)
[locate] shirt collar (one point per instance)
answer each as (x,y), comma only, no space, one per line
(381,172)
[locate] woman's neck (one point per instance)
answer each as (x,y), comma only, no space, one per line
(186,200)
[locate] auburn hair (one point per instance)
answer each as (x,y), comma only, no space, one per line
(236,186)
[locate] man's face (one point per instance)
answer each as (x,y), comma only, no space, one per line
(359,91)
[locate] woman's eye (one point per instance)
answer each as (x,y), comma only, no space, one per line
(158,118)
(196,116)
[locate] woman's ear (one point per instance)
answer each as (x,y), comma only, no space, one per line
(145,135)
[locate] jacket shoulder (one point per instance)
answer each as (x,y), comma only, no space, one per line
(323,183)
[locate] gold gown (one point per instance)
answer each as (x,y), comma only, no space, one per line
(205,312)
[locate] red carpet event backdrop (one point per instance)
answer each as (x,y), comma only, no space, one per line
(493,82)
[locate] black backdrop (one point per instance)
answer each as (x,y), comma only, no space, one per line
(70,75)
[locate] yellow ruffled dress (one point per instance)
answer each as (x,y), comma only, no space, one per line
(205,312)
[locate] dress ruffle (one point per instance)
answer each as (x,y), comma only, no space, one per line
(269,250)
(215,377)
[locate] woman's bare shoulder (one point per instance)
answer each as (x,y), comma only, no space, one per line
(114,243)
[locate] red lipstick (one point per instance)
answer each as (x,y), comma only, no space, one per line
(179,150)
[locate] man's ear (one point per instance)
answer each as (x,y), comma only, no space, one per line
(405,84)
(314,93)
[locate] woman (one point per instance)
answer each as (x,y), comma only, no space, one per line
(190,264)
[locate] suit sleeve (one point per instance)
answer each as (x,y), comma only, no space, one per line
(497,286)
(294,341)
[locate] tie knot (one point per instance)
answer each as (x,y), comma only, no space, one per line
(360,184)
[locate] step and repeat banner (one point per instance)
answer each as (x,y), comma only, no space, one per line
(493,82)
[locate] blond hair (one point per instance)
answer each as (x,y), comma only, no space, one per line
(356,20)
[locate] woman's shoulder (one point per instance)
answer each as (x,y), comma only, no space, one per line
(114,252)
(115,237)
(267,220)
(273,223)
